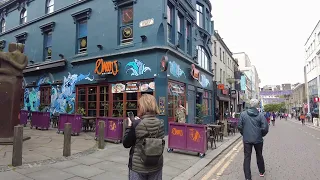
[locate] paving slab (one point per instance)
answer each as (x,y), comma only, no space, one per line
(77,178)
(84,171)
(50,174)
(109,175)
(64,164)
(87,160)
(112,166)
(11,175)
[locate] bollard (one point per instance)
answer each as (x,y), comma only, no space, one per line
(67,140)
(17,146)
(101,142)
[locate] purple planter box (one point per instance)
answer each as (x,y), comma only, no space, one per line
(74,119)
(23,117)
(188,137)
(40,120)
(113,130)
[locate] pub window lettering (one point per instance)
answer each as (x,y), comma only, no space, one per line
(82,36)
(126,25)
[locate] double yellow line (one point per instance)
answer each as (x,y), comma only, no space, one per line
(233,152)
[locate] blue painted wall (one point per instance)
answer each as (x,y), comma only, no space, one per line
(103,29)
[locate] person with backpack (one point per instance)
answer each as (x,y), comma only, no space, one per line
(253,126)
(145,138)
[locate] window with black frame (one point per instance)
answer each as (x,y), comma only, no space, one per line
(170,22)
(3,25)
(82,36)
(23,16)
(188,37)
(200,20)
(48,45)
(126,25)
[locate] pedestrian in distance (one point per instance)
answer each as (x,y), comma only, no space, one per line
(303,118)
(144,136)
(273,118)
(253,126)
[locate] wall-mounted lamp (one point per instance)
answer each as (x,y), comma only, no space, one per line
(31,61)
(143,38)
(100,46)
(195,57)
(61,56)
(177,46)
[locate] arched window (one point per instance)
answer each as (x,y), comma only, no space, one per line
(23,16)
(3,25)
(50,6)
(203,59)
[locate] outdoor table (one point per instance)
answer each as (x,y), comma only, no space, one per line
(213,132)
(88,122)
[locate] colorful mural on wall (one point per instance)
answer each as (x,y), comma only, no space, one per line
(204,82)
(175,70)
(62,96)
(136,68)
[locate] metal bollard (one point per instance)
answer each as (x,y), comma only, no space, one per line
(101,142)
(67,140)
(17,146)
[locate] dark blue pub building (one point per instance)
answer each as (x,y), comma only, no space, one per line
(100,56)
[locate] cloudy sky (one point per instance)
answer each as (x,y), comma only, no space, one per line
(271,32)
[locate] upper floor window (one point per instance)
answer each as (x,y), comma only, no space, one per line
(23,16)
(223,57)
(126,25)
(3,25)
(188,37)
(215,48)
(180,29)
(82,36)
(203,59)
(50,6)
(48,45)
(199,15)
(170,21)
(208,21)
(220,55)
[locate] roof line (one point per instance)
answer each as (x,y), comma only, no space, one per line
(312,32)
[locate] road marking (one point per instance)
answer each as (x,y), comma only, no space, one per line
(216,166)
(226,165)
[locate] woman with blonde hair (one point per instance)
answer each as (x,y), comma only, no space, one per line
(142,135)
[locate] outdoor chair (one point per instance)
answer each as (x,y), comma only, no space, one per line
(220,134)
(211,134)
(231,129)
(55,120)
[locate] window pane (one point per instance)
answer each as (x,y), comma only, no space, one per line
(127,15)
(83,31)
(132,96)
(178,24)
(132,105)
(49,40)
(169,14)
(50,9)
(92,112)
(117,96)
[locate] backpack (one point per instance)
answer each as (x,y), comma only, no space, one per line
(152,148)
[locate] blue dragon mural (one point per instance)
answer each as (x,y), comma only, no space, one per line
(61,96)
(175,69)
(137,68)
(204,82)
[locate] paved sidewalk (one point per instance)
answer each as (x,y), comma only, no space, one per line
(45,145)
(111,163)
(309,124)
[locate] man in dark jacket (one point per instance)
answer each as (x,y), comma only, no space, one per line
(253,126)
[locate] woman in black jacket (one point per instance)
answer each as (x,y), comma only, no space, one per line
(136,131)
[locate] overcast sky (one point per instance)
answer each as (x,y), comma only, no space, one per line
(271,32)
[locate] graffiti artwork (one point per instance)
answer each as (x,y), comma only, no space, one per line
(194,135)
(112,126)
(176,132)
(62,97)
(175,70)
(204,81)
(136,68)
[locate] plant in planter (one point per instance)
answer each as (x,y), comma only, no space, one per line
(42,107)
(81,111)
(68,108)
(200,109)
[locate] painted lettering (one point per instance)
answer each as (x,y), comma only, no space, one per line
(112,126)
(109,67)
(176,132)
(194,135)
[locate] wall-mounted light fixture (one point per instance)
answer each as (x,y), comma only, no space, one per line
(143,38)
(61,56)
(32,62)
(100,46)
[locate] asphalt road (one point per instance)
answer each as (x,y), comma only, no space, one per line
(291,152)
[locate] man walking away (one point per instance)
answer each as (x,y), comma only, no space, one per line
(253,126)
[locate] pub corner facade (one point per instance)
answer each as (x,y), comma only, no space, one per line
(101,56)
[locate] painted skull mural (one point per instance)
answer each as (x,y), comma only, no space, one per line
(61,95)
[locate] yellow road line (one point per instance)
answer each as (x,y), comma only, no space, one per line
(216,166)
(226,165)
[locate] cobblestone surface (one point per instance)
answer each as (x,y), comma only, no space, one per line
(291,152)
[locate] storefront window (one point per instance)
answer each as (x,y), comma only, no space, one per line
(112,100)
(206,102)
(176,95)
(104,101)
